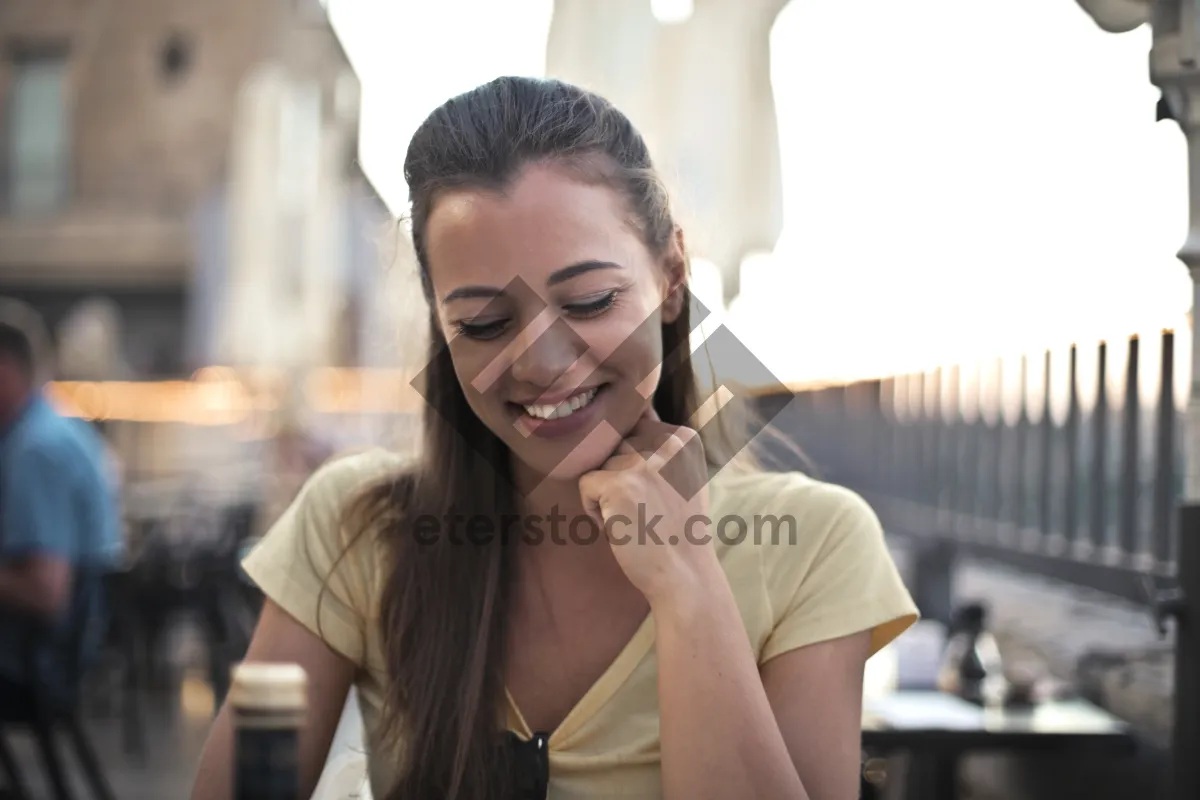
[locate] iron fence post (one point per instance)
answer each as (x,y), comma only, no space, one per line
(1184,606)
(1175,70)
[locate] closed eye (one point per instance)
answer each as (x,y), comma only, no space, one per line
(594,307)
(492,329)
(481,330)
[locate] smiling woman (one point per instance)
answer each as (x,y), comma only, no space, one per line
(537,321)
(591,662)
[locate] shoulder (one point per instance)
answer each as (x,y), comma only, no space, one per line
(320,507)
(825,564)
(343,476)
(315,566)
(316,517)
(44,443)
(812,508)
(800,527)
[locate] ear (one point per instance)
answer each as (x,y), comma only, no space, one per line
(675,270)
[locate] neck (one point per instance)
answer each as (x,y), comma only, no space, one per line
(555,509)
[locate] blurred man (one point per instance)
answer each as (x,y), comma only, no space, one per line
(58,520)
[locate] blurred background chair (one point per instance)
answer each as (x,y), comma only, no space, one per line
(52,710)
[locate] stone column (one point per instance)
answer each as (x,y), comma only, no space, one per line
(1118,16)
(247,331)
(700,92)
(1175,69)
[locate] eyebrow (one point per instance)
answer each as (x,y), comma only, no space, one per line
(556,277)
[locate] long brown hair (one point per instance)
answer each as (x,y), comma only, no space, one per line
(444,608)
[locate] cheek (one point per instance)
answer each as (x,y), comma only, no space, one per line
(471,369)
(629,341)
(639,353)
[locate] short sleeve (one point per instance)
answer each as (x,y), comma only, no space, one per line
(36,510)
(838,578)
(315,569)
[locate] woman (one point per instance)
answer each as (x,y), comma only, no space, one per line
(661,662)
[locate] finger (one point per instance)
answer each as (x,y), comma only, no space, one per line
(686,469)
(665,452)
(631,460)
(648,436)
(685,434)
(591,490)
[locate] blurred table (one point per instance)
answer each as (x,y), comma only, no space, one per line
(938,730)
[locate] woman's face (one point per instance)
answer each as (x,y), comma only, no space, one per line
(553,309)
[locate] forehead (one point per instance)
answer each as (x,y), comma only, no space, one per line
(544,221)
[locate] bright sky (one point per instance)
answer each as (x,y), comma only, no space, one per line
(411,55)
(960,178)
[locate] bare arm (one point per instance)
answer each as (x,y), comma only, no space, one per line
(719,735)
(816,692)
(280,638)
(40,530)
(793,731)
(37,584)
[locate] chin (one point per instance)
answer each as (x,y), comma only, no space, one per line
(563,464)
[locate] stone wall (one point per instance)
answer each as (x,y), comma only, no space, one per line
(150,89)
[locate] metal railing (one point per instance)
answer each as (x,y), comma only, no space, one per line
(1016,465)
(1028,470)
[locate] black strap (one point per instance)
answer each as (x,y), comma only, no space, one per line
(531,761)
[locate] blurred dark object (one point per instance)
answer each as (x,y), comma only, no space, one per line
(873,777)
(171,581)
(48,710)
(269,703)
(531,765)
(971,665)
(123,644)
(176,57)
(933,579)
(200,580)
(1162,109)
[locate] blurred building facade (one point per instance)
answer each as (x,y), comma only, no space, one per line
(179,183)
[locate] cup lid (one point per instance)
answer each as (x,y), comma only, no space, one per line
(269,686)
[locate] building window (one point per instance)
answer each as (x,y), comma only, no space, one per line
(175,57)
(37,133)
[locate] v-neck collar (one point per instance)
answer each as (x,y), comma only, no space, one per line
(600,692)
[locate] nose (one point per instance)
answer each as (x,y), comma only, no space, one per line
(544,350)
(538,354)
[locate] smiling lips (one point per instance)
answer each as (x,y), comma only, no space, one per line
(563,409)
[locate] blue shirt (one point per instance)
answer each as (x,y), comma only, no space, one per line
(57,497)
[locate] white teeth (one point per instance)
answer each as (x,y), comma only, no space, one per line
(564,409)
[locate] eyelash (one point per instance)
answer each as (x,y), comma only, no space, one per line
(596,307)
(491,330)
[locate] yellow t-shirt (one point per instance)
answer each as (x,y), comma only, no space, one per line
(828,575)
